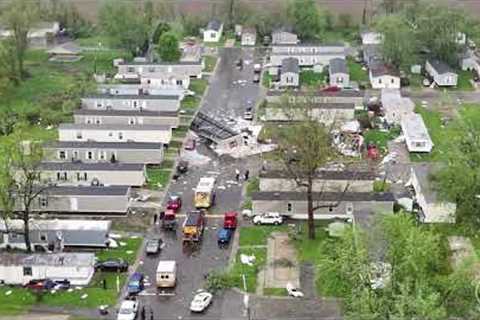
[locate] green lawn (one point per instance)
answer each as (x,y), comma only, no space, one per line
(127,252)
(210,62)
(258,235)
(190,104)
(356,71)
(309,78)
(380,138)
(179,132)
(18,302)
(157,178)
(198,86)
(340,35)
(267,79)
(278,292)
(250,272)
(464,78)
(94,41)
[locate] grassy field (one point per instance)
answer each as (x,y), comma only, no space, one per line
(157,179)
(464,83)
(257,235)
(381,138)
(126,252)
(250,272)
(356,71)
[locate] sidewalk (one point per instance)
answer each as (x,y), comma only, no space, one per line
(282,266)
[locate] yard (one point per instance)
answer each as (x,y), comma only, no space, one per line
(381,138)
(309,78)
(464,81)
(356,72)
(20,300)
(210,62)
(157,178)
(267,79)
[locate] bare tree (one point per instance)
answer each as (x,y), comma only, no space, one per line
(20,181)
(304,147)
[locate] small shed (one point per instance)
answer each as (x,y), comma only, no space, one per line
(338,73)
(213,31)
(284,36)
(19,269)
(371,37)
(290,74)
(249,37)
(442,74)
(67,52)
(469,61)
(384,76)
(416,133)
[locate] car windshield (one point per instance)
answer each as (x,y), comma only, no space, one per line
(134,283)
(125,311)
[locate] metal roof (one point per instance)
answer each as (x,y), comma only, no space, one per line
(161,63)
(323,175)
(210,128)
(440,66)
(116,127)
(98,166)
(414,128)
(323,196)
(341,93)
(132,97)
(113,112)
(338,65)
(51,259)
(379,69)
(290,65)
(104,145)
(214,24)
(423,172)
(59,225)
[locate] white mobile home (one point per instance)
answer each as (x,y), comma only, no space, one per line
(130,117)
(290,73)
(441,73)
(395,107)
(91,151)
(382,76)
(54,235)
(313,55)
(249,37)
(282,36)
(93,174)
(213,31)
(416,133)
(115,133)
(19,269)
(355,97)
(132,102)
(432,209)
(338,73)
(178,71)
(326,113)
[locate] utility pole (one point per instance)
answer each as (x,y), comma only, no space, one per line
(230,14)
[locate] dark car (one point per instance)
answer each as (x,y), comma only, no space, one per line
(224,235)
(153,246)
(62,284)
(182,166)
(45,284)
(113,265)
(174,203)
(135,284)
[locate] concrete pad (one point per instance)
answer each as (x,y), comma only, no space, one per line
(282,265)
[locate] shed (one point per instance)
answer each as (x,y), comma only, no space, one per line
(249,37)
(284,36)
(371,37)
(338,73)
(290,73)
(432,209)
(213,31)
(416,133)
(395,107)
(442,74)
(67,52)
(19,269)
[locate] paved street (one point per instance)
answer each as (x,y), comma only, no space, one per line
(224,99)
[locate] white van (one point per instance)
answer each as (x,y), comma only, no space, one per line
(166,274)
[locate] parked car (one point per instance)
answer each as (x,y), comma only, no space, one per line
(268,218)
(45,284)
(62,284)
(113,265)
(230,220)
(182,166)
(153,246)
(201,301)
(128,310)
(174,203)
(331,89)
(256,78)
(190,144)
(135,284)
(224,236)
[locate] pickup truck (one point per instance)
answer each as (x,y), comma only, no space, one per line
(193,226)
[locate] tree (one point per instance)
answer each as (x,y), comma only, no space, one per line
(168,49)
(345,20)
(306,19)
(399,44)
(19,16)
(304,147)
(8,61)
(418,284)
(125,24)
(20,180)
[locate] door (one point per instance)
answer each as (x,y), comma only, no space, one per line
(74,204)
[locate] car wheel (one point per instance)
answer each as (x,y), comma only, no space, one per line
(257,223)
(276,223)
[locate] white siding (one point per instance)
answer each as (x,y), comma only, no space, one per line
(106,135)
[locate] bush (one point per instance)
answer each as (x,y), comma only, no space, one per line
(381,186)
(218,281)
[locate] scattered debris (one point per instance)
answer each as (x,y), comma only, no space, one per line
(406,203)
(293,291)
(246,259)
(9,292)
(84,296)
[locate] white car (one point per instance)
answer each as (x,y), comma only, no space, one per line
(294,292)
(128,310)
(201,301)
(268,218)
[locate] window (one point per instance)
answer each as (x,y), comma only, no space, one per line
(130,69)
(289,207)
(379,80)
(330,209)
(43,237)
(120,136)
(75,155)
(43,201)
(164,276)
(349,208)
(339,79)
(79,135)
(131,120)
(393,80)
(98,120)
(151,69)
(62,155)
(179,82)
(27,271)
(82,176)
(135,103)
(110,134)
(102,155)
(99,105)
(88,120)
(62,176)
(89,155)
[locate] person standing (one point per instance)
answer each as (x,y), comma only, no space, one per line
(247,173)
(237,175)
(142,313)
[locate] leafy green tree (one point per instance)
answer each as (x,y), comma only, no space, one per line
(19,16)
(125,24)
(345,20)
(399,42)
(168,48)
(306,19)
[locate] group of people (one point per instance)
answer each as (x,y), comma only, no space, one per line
(245,176)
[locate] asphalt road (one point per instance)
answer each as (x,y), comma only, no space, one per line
(224,99)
